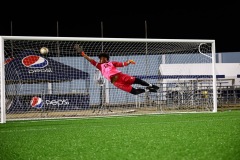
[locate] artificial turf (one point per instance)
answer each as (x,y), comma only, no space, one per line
(214,136)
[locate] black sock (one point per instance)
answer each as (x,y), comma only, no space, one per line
(139,81)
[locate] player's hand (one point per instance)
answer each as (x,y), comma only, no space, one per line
(131,61)
(79,49)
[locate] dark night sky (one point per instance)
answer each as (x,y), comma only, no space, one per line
(164,20)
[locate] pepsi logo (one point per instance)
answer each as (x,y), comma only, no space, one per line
(36,102)
(34,61)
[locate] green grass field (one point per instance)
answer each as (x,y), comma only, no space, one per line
(205,136)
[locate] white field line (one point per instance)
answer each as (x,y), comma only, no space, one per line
(115,125)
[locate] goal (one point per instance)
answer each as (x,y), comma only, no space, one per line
(62,84)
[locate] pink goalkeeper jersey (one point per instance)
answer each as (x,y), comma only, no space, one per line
(108,69)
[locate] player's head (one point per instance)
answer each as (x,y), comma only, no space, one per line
(104,57)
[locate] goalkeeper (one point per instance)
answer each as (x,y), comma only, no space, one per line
(117,78)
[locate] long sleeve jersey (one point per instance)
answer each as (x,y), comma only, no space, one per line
(108,69)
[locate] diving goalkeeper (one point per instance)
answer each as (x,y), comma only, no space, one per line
(116,77)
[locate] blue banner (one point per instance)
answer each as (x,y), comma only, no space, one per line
(22,103)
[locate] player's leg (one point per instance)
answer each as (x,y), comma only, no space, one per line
(128,88)
(124,82)
(137,91)
(144,83)
(127,79)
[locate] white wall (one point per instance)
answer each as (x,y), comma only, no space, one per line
(230,70)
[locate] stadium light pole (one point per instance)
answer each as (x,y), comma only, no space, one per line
(106,100)
(147,70)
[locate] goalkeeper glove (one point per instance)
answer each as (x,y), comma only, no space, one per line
(79,49)
(131,61)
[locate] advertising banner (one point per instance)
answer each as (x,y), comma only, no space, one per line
(48,102)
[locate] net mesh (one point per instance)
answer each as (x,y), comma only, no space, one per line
(62,83)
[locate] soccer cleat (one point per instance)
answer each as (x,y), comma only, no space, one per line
(151,90)
(153,87)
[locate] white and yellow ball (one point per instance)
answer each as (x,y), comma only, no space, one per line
(44,50)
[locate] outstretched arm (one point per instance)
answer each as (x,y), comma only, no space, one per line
(86,56)
(123,64)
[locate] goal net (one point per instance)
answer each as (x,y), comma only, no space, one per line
(61,83)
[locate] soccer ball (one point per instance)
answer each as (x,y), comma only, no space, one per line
(44,50)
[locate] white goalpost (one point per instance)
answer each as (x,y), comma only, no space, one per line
(60,83)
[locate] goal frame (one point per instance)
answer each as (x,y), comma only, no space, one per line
(2,68)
